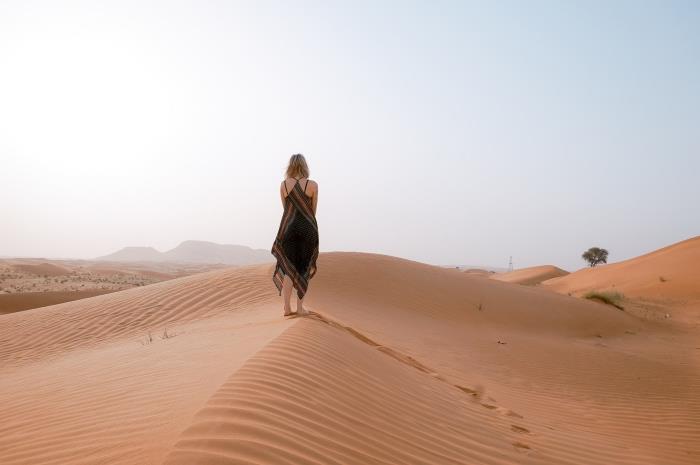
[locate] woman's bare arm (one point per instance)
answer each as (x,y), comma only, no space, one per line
(282,193)
(315,199)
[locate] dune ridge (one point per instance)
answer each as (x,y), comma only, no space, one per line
(291,404)
(530,276)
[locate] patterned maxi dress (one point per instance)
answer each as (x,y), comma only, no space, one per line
(296,244)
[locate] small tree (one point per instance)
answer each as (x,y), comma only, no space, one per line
(595,255)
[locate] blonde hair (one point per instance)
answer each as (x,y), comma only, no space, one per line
(297,167)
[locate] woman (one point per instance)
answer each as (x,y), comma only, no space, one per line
(296,244)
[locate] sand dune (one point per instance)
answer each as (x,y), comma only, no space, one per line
(17,302)
(590,381)
(292,403)
(478,272)
(31,283)
(41,269)
(82,382)
(530,276)
(668,277)
(400,362)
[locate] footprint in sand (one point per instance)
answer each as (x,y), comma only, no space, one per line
(476,393)
(519,429)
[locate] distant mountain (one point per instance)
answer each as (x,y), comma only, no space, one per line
(193,252)
(134,254)
(210,252)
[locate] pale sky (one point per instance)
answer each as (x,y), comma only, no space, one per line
(444,132)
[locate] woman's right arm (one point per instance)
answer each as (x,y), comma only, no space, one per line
(282,193)
(315,199)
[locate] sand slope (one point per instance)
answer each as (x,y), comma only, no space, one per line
(666,277)
(530,276)
(670,273)
(17,302)
(82,382)
(400,363)
(591,382)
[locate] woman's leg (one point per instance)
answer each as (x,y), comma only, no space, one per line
(300,307)
(287,288)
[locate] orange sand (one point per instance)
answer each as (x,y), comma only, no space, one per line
(530,276)
(478,272)
(400,363)
(16,302)
(667,280)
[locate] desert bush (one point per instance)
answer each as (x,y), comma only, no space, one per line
(609,298)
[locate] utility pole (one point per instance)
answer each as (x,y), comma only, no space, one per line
(510,264)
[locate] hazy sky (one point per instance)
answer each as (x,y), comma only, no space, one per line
(445,132)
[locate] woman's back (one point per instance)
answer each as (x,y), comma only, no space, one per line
(307,187)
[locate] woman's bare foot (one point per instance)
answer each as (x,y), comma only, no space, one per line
(301,310)
(287,311)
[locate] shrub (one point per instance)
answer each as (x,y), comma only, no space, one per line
(609,298)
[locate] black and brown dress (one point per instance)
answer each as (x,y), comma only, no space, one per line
(296,244)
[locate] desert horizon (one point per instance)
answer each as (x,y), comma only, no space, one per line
(66,280)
